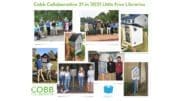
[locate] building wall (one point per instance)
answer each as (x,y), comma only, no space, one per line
(141,20)
(136,35)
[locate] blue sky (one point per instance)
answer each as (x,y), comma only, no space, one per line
(41,51)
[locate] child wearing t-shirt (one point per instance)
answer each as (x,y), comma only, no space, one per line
(38,65)
(81,78)
(67,79)
(90,79)
(48,69)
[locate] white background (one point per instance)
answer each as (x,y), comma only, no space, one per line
(16,48)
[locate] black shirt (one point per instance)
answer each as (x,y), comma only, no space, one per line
(111,66)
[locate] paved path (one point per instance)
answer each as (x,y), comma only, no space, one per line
(53,38)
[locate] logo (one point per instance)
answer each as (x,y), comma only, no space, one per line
(42,90)
(108,89)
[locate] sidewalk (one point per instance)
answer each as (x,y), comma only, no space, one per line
(53,38)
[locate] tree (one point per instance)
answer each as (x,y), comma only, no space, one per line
(52,15)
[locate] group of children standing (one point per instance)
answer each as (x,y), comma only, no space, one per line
(54,27)
(65,79)
(110,28)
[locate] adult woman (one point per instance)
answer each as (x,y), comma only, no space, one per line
(81,78)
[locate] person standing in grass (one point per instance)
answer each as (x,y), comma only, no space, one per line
(38,64)
(67,26)
(48,27)
(61,26)
(48,73)
(37,32)
(41,25)
(81,78)
(53,27)
(135,78)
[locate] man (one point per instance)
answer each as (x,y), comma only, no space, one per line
(94,27)
(48,27)
(108,28)
(119,66)
(86,28)
(95,59)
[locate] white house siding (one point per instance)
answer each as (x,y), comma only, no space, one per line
(136,35)
(78,44)
(141,20)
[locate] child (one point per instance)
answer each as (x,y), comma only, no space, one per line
(101,28)
(108,28)
(38,64)
(67,79)
(48,67)
(53,27)
(102,68)
(86,28)
(66,26)
(81,78)
(48,27)
(61,77)
(37,32)
(90,79)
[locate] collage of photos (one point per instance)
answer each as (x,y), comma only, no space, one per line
(79,68)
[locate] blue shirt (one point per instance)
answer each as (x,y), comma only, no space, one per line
(38,64)
(48,24)
(36,29)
